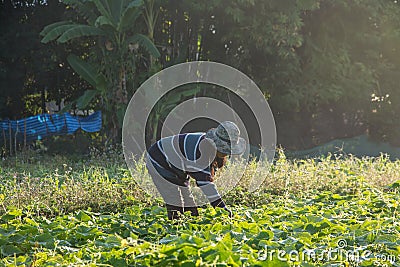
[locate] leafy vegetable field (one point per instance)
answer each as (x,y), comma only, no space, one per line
(330,212)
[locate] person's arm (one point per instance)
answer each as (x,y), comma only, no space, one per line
(204,181)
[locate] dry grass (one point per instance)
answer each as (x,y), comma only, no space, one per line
(101,182)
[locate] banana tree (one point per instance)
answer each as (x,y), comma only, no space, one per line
(113,25)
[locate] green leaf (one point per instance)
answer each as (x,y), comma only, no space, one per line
(83,101)
(305,238)
(146,43)
(188,264)
(101,83)
(387,239)
(113,241)
(227,241)
(82,216)
(102,20)
(46,240)
(55,32)
(29,221)
(172,250)
(102,8)
(136,3)
(17,238)
(261,236)
(15,212)
(129,15)
(379,204)
(66,108)
(11,214)
(311,228)
(80,31)
(128,18)
(84,69)
(395,185)
(313,218)
(10,250)
(52,26)
(117,9)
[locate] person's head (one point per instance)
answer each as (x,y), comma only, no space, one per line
(227,142)
(226,138)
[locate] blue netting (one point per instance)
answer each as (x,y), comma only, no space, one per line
(40,126)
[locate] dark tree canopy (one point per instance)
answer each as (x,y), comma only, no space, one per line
(329,69)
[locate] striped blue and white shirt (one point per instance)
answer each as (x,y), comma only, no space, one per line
(179,157)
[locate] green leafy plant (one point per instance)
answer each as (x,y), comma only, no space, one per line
(334,212)
(112,27)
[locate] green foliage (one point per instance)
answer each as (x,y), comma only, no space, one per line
(146,43)
(27,67)
(142,236)
(330,69)
(318,62)
(113,68)
(85,70)
(95,79)
(91,212)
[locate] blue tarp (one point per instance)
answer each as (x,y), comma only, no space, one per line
(40,126)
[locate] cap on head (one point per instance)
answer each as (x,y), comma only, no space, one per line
(227,138)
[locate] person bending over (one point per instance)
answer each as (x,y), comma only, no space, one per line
(173,160)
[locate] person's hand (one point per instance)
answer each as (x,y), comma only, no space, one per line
(229,212)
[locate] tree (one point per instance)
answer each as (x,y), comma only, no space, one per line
(318,62)
(348,54)
(114,31)
(30,71)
